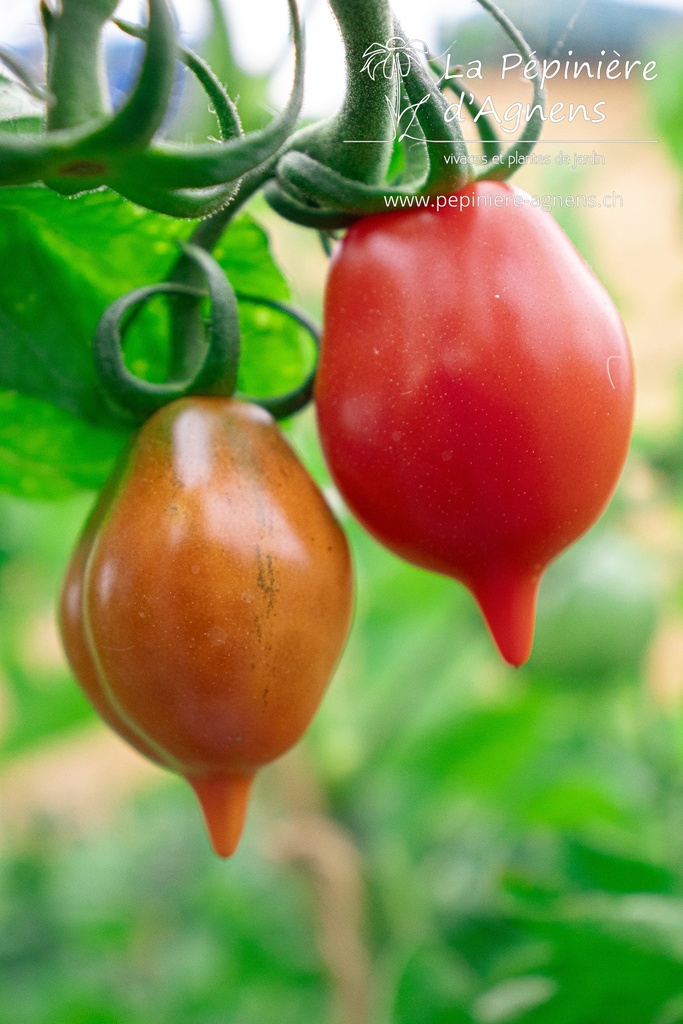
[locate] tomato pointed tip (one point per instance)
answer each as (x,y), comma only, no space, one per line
(514,658)
(224,800)
(517,662)
(508,604)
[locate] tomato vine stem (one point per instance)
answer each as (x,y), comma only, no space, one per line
(86,147)
(327,192)
(137,399)
(365,115)
(75,69)
(502,169)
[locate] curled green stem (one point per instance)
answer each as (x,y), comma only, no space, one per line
(298,398)
(187,326)
(491,145)
(321,218)
(226,111)
(118,151)
(141,116)
(175,166)
(309,191)
(187,202)
(313,191)
(531,133)
(135,399)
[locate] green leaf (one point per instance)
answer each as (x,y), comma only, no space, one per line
(70,259)
(48,453)
(433,989)
(596,971)
(511,999)
(276,354)
(594,868)
(45,704)
(482,750)
(571,804)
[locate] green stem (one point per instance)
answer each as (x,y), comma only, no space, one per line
(75,68)
(529,137)
(186,202)
(187,327)
(137,122)
(365,113)
(318,218)
(491,145)
(215,372)
(357,141)
(441,138)
(226,111)
(282,406)
(177,180)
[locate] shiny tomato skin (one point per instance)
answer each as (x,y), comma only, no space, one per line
(475,393)
(73,630)
(209,600)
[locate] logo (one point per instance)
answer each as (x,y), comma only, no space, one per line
(394,58)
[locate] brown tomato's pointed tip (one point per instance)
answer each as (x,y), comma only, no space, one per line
(508,604)
(224,800)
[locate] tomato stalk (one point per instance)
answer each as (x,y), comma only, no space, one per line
(75,69)
(188,202)
(364,116)
(172,166)
(324,185)
(217,372)
(195,367)
(137,122)
(315,192)
(84,147)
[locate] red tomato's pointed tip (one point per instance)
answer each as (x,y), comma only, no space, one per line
(508,604)
(224,800)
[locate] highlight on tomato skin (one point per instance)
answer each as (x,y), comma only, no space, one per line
(475,394)
(209,600)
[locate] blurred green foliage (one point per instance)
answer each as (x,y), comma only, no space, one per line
(40,697)
(667,106)
(520,832)
(140,926)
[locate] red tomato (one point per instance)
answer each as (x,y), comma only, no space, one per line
(475,394)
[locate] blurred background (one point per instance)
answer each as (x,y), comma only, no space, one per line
(454,842)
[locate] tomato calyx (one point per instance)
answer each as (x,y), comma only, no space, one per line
(318,184)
